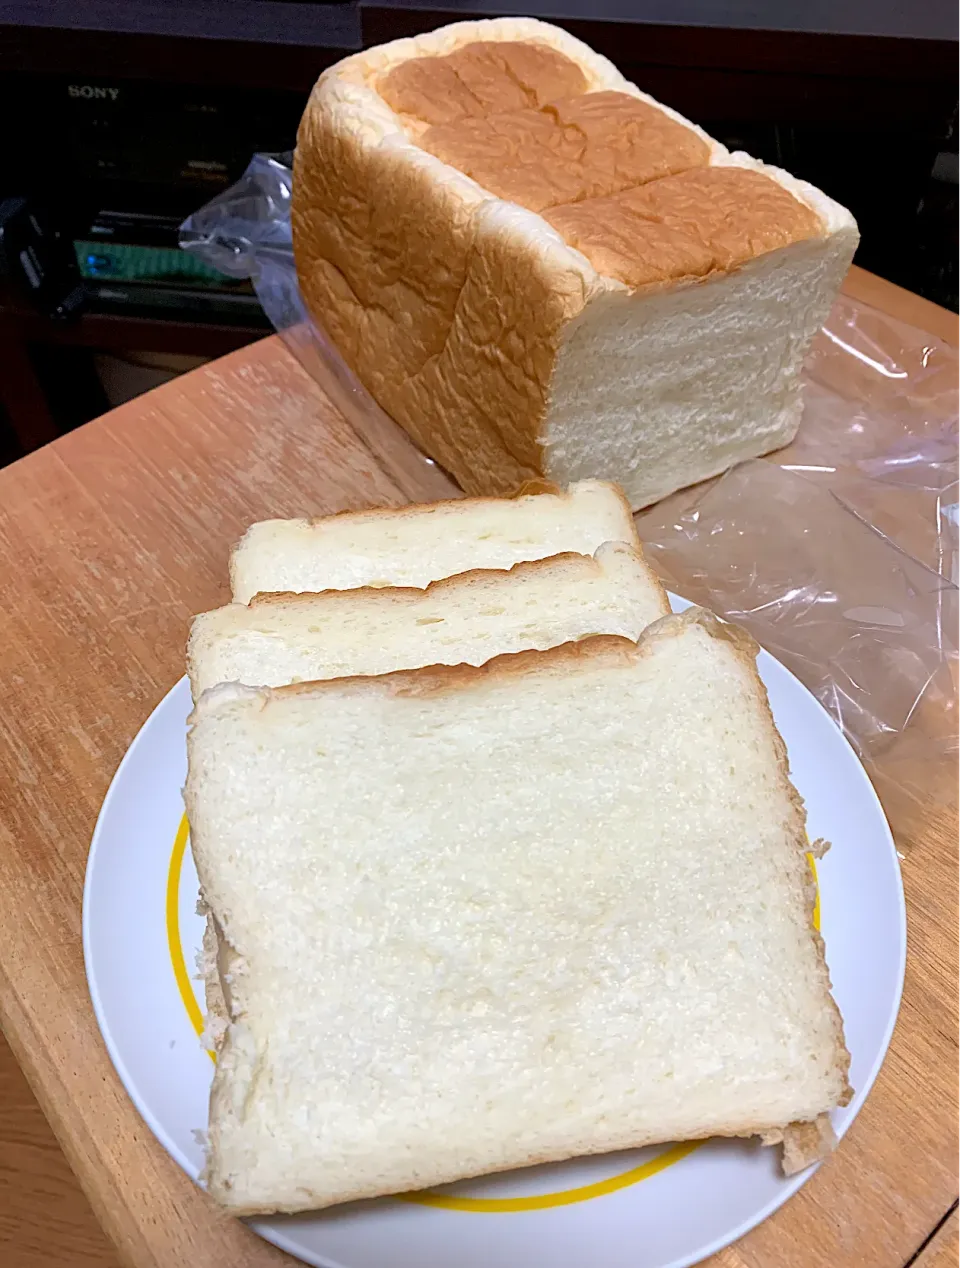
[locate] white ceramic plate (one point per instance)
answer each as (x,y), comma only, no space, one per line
(663,1207)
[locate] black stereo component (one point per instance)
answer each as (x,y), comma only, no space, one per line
(114,166)
(37,265)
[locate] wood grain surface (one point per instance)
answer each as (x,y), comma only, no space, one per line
(110,539)
(914,309)
(943,1248)
(44,1217)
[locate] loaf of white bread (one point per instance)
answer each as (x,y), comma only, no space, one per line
(469,917)
(538,270)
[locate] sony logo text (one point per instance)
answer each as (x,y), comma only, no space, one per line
(93,93)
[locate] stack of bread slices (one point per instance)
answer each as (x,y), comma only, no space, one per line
(501,860)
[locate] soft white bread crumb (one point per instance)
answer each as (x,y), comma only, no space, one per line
(469,618)
(414,545)
(485,918)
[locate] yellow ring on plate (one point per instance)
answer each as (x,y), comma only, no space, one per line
(174,941)
(445,1202)
(563,1197)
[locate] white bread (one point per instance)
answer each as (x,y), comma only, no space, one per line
(469,618)
(608,293)
(414,545)
(476,919)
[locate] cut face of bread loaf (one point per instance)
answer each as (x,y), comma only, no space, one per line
(477,919)
(469,618)
(539,270)
(415,545)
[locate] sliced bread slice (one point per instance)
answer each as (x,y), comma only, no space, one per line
(284,638)
(475,919)
(414,545)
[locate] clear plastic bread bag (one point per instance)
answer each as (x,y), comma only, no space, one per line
(839,554)
(245,232)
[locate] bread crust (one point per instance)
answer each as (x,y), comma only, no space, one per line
(796,1136)
(567,561)
(433,680)
(568,567)
(495,273)
(218,1014)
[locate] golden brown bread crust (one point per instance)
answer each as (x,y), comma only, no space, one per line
(558,152)
(417,293)
(614,566)
(699,222)
(480,78)
(574,148)
(437,680)
(431,680)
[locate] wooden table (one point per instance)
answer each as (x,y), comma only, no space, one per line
(110,539)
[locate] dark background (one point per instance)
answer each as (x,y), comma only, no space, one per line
(120,117)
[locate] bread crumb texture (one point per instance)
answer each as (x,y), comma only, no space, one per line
(417,545)
(616,176)
(495,916)
(466,618)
